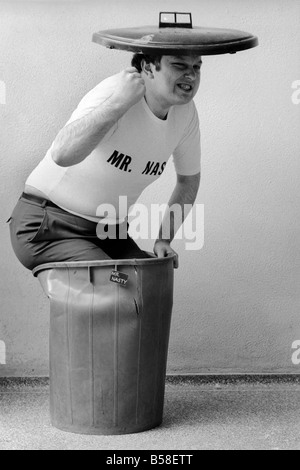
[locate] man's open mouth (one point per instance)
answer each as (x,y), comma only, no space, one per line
(185,87)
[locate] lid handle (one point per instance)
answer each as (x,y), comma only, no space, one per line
(174,19)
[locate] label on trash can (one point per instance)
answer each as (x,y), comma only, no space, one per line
(119,278)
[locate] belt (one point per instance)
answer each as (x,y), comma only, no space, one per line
(45,202)
(39,200)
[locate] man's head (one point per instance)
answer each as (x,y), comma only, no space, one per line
(170,80)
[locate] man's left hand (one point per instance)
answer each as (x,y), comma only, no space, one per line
(162,249)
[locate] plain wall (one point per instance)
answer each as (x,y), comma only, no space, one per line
(236,304)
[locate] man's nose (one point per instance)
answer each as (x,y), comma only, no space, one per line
(191,74)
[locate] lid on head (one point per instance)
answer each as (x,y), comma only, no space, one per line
(176,35)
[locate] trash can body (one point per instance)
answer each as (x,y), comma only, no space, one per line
(108,343)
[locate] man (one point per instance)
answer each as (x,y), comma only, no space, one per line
(116,143)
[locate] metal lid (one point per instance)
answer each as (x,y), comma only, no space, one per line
(176,37)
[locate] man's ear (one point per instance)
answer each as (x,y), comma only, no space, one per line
(147,69)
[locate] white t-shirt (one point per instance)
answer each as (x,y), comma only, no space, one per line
(131,156)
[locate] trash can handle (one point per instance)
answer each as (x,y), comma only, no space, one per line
(90,275)
(175,23)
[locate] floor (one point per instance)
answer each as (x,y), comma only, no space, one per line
(201,412)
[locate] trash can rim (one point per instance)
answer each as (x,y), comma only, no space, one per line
(109,262)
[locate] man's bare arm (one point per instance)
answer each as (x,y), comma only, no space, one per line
(185,192)
(79,138)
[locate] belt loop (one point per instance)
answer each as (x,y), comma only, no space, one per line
(44,203)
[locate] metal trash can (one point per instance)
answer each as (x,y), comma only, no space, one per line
(109,334)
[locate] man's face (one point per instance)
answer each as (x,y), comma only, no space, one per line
(178,79)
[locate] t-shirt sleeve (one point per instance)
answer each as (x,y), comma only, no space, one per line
(187,155)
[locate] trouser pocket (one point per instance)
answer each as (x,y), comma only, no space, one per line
(58,225)
(29,221)
(34,223)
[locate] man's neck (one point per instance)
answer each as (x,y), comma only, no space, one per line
(156,108)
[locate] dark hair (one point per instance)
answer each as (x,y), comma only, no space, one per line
(150,59)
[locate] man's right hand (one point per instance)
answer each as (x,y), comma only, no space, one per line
(130,87)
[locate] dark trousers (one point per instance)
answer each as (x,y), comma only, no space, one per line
(42,232)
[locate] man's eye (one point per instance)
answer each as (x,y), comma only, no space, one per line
(181,66)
